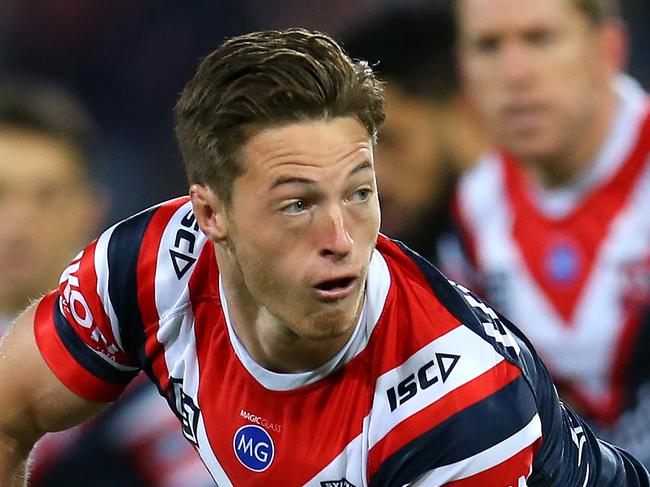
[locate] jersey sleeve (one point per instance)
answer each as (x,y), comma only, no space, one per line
(78,339)
(569,453)
(85,328)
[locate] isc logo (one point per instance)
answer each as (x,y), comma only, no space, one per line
(425,377)
(253,447)
(182,255)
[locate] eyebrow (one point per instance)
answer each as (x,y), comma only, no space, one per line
(300,180)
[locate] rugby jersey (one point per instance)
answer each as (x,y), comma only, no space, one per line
(572,268)
(432,389)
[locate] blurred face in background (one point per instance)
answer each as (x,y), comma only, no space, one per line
(47,211)
(410,172)
(539,73)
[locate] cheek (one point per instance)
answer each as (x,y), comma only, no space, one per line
(366,224)
(268,269)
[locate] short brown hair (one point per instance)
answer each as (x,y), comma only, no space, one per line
(267,79)
(44,108)
(596,11)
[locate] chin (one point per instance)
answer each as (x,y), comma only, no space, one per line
(330,324)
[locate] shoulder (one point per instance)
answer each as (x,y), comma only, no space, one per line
(142,265)
(466,386)
(468,309)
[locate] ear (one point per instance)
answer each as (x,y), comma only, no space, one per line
(210,212)
(614,46)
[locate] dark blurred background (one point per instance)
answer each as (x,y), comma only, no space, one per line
(127,61)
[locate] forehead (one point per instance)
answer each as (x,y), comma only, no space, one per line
(307,146)
(485,16)
(31,157)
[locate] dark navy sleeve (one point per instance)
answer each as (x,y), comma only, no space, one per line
(569,454)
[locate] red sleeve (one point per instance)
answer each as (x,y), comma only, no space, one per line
(78,333)
(61,360)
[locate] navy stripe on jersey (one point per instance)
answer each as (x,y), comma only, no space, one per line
(474,427)
(123,254)
(86,357)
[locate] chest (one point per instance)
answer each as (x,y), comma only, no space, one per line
(574,285)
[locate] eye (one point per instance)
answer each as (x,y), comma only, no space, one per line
(540,37)
(488,44)
(295,208)
(361,195)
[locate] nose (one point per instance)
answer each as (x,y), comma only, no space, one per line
(335,239)
(515,65)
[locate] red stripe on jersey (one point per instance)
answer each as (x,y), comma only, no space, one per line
(505,474)
(78,296)
(577,236)
(428,418)
(412,300)
(146,272)
(64,365)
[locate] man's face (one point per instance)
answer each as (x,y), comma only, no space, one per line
(535,69)
(303,223)
(45,214)
(409,165)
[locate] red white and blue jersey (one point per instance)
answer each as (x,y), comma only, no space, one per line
(572,268)
(432,389)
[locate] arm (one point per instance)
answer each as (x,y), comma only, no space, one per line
(569,454)
(32,400)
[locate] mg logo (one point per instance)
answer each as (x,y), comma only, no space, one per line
(253,447)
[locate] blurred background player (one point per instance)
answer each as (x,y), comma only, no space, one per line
(429,136)
(50,205)
(557,222)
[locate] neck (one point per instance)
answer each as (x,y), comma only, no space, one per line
(267,339)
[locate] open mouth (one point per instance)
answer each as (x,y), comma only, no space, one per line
(335,284)
(335,289)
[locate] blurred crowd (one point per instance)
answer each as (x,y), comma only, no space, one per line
(69,168)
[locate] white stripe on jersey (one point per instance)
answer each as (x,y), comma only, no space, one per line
(485,460)
(170,290)
(183,364)
(101,269)
(476,357)
(351,464)
(176,330)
